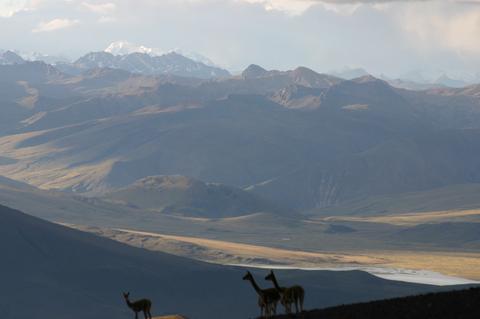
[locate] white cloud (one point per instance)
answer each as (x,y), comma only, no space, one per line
(342,7)
(9,8)
(101,8)
(106,19)
(294,7)
(55,24)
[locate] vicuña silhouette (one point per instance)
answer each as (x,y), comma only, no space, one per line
(142,305)
(267,298)
(294,294)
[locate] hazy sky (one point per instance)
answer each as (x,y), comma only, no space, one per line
(390,37)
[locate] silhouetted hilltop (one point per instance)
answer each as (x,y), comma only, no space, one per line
(462,304)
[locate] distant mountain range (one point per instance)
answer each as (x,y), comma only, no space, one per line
(136,62)
(416,79)
(125,47)
(145,60)
(143,63)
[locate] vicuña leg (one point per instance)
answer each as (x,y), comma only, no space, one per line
(301,302)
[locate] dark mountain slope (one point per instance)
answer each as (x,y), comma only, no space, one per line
(51,271)
(462,304)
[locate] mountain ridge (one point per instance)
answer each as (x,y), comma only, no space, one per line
(144,63)
(298,138)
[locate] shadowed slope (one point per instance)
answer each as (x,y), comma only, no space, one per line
(447,305)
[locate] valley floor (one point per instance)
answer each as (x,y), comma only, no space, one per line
(437,268)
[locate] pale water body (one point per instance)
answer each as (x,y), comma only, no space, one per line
(398,274)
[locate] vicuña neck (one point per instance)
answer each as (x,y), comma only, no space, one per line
(275,283)
(255,286)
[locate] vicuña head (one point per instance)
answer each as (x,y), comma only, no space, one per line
(270,276)
(248,276)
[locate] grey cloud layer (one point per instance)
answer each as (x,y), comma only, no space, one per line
(414,34)
(391,1)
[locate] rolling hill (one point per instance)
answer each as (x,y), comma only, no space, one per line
(189,197)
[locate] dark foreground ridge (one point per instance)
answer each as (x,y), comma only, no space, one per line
(464,304)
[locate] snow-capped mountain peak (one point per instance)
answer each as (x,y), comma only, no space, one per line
(125,47)
(10,57)
(141,62)
(50,59)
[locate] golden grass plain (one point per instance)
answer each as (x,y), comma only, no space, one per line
(411,219)
(458,264)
